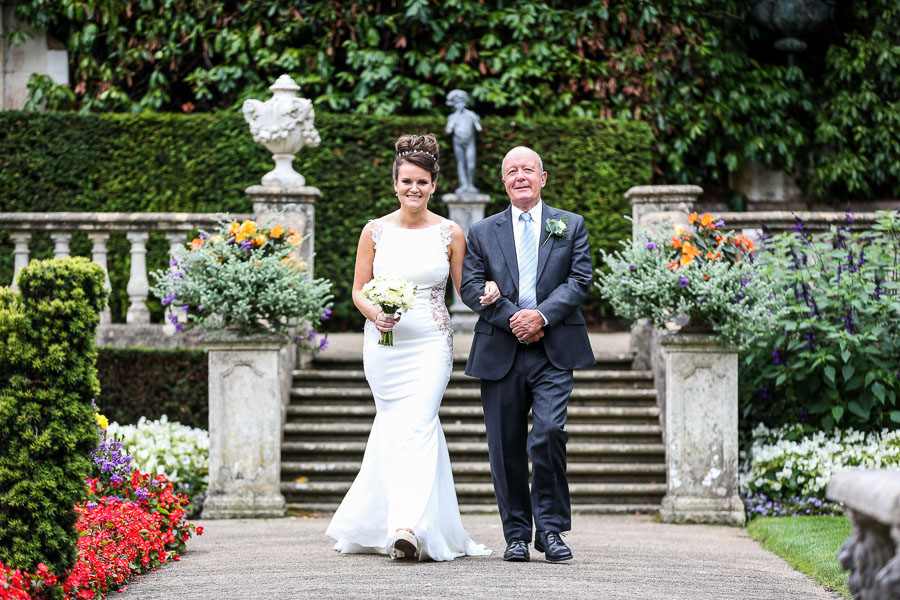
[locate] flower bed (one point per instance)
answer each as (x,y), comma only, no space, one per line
(167,447)
(785,471)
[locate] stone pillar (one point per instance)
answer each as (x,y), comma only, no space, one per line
(701,431)
(245,426)
(20,253)
(654,207)
(61,241)
(465,209)
(138,285)
(290,206)
(871,500)
(98,255)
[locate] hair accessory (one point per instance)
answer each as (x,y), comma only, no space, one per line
(405,152)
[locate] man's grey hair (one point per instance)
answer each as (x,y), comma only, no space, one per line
(540,164)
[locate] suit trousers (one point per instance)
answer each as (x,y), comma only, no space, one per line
(534,384)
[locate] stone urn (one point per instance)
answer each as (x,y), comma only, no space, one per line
(792,19)
(284,125)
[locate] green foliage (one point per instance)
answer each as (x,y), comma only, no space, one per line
(858,126)
(203,163)
(702,272)
(833,356)
(809,544)
(151,382)
(701,73)
(47,382)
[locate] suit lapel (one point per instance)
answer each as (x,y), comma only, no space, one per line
(507,243)
(545,246)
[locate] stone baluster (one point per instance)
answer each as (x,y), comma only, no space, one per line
(98,255)
(138,285)
(176,241)
(20,252)
(465,208)
(61,241)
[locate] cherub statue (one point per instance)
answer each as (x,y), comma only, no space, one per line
(463,123)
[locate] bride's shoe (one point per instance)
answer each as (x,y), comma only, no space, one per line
(405,544)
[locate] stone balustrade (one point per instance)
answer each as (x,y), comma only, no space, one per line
(137,330)
(871,500)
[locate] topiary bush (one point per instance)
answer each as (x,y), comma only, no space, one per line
(204,162)
(47,381)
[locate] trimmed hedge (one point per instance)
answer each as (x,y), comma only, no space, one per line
(203,163)
(47,382)
(151,382)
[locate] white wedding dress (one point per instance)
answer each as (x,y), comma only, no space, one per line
(405,480)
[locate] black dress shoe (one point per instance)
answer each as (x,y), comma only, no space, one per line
(551,544)
(517,551)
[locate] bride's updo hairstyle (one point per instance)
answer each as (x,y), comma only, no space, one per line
(419,150)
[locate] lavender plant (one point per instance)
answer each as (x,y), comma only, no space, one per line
(834,357)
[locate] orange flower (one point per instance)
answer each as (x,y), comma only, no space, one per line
(276,232)
(196,243)
(295,240)
(686,259)
(719,240)
(688,253)
(692,218)
(676,242)
(706,278)
(292,231)
(234,227)
(260,240)
(718,256)
(709,256)
(706,220)
(673,265)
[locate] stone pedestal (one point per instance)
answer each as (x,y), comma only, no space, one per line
(246,409)
(871,501)
(289,206)
(701,431)
(464,209)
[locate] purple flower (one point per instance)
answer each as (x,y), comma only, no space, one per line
(323,343)
(683,281)
(246,245)
(169,299)
(200,307)
(175,274)
(203,235)
(651,245)
(326,314)
(631,267)
(173,262)
(777,357)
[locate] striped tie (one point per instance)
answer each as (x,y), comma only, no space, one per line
(527,263)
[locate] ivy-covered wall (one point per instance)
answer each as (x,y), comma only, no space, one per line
(204,162)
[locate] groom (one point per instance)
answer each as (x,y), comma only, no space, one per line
(525,347)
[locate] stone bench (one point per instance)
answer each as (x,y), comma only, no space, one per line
(871,500)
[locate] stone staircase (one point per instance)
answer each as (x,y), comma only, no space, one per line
(616,456)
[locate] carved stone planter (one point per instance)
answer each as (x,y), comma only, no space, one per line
(871,501)
(245,426)
(701,431)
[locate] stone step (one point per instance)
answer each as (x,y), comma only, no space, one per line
(491,508)
(486,489)
(366,412)
(291,468)
(609,361)
(473,394)
(331,451)
(583,378)
(476,431)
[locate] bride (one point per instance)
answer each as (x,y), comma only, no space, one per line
(403,501)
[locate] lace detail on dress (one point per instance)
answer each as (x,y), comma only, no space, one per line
(377,228)
(440,314)
(446,232)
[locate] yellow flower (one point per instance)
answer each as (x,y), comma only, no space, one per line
(276,232)
(296,240)
(102,421)
(233,228)
(679,230)
(260,240)
(248,227)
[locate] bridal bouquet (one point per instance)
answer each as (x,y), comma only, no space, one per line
(393,295)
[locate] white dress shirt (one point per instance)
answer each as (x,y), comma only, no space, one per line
(536,213)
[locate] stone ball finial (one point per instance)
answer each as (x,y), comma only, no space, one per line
(284,125)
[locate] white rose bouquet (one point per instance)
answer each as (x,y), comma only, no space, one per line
(393,295)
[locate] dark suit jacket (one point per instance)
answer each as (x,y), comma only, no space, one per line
(563,279)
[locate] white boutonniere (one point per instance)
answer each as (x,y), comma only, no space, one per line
(557,228)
